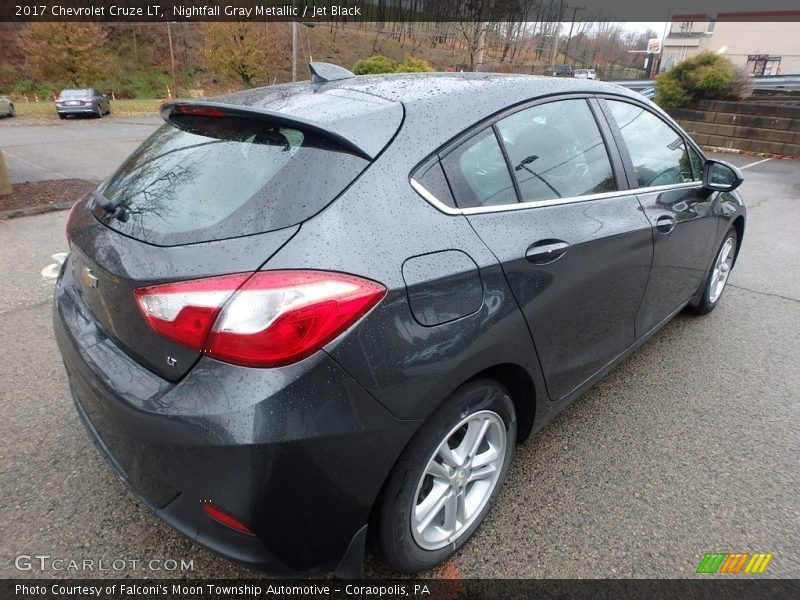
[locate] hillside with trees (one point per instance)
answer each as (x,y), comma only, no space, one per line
(135,60)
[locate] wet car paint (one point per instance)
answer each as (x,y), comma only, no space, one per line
(294,449)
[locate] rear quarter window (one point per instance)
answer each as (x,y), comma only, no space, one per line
(215,178)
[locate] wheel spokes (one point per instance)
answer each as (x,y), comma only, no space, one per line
(438,471)
(448,456)
(721,271)
(483,472)
(451,514)
(484,458)
(476,431)
(431,506)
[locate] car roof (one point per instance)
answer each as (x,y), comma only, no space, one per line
(370,108)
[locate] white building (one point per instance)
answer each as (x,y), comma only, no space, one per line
(760,47)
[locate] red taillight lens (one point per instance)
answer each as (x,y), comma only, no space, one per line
(185,311)
(199,111)
(224,518)
(266,319)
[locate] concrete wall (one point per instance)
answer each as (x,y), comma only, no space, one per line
(747,126)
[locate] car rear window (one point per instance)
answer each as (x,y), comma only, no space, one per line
(75,94)
(215,178)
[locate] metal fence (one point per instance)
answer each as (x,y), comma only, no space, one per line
(773,82)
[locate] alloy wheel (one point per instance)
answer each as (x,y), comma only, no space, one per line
(721,271)
(459,480)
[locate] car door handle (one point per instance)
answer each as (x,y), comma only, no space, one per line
(665,223)
(546,251)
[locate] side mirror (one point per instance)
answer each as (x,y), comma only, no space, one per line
(721,176)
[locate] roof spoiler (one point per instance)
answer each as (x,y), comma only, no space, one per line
(322,72)
(197,108)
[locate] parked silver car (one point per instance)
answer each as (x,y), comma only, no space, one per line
(86,101)
(6,107)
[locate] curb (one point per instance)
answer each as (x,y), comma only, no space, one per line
(34,210)
(723,150)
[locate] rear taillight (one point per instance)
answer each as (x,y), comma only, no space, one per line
(265,319)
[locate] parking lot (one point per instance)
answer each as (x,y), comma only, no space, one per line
(690,446)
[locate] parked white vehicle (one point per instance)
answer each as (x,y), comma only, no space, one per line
(585,74)
(6,107)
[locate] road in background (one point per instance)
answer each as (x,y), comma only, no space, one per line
(690,446)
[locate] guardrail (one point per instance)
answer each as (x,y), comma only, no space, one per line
(789,82)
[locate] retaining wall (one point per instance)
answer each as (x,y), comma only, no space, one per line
(748,126)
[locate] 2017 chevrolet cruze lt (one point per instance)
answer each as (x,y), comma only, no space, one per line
(306,316)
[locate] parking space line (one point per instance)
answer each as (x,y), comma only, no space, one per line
(753,164)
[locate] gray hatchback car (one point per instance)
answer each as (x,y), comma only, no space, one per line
(308,316)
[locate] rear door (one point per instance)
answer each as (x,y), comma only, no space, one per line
(542,188)
(667,174)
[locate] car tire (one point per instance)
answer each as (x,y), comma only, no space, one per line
(11,111)
(481,412)
(717,278)
(62,116)
(99,112)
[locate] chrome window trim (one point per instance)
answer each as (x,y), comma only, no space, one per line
(433,200)
(476,210)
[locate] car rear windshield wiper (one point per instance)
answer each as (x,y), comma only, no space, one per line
(114,210)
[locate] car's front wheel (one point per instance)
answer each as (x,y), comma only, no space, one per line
(447,479)
(717,277)
(11,110)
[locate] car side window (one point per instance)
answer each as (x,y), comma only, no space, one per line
(697,164)
(657,151)
(431,177)
(556,151)
(478,173)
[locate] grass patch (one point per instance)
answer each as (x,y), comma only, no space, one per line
(118,107)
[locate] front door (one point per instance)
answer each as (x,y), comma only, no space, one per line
(668,176)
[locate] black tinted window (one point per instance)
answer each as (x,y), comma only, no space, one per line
(431,177)
(478,173)
(215,178)
(657,151)
(556,151)
(697,164)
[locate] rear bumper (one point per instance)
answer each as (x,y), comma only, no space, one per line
(298,453)
(74,110)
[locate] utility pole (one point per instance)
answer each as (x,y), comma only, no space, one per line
(294,50)
(557,35)
(135,46)
(667,31)
(172,60)
(575,10)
